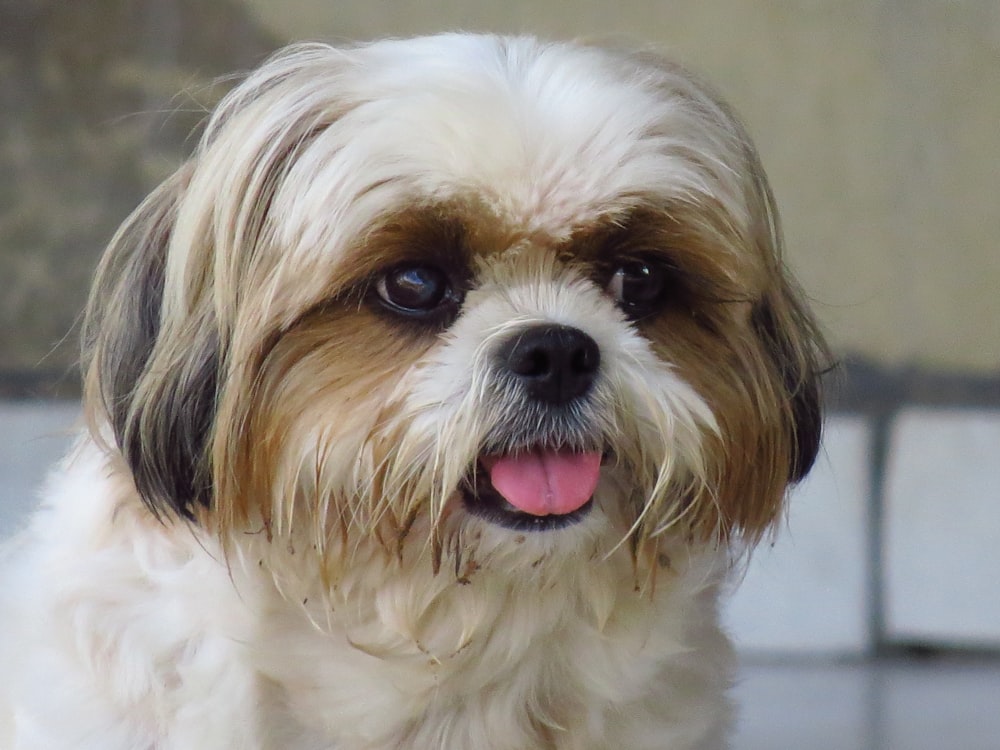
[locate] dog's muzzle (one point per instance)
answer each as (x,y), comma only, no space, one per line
(545,481)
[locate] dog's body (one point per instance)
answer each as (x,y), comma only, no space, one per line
(146,640)
(429,406)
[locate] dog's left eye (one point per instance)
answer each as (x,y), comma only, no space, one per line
(416,290)
(638,286)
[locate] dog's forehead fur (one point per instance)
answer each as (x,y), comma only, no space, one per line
(548,135)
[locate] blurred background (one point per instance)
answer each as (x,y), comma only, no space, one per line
(873,619)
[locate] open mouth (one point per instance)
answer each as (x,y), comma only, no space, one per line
(537,489)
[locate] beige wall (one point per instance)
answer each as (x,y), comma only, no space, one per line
(879,122)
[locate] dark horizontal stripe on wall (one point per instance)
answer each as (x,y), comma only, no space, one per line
(39,384)
(860,385)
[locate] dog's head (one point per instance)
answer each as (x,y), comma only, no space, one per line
(460,283)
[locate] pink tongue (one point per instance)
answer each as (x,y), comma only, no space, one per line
(545,483)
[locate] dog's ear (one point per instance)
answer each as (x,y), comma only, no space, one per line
(787,332)
(784,364)
(172,286)
(789,338)
(155,389)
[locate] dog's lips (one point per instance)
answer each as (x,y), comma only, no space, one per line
(536,489)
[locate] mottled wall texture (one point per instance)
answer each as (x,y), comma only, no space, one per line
(878,120)
(98,100)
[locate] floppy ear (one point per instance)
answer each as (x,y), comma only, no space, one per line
(156,390)
(790,339)
(788,333)
(155,341)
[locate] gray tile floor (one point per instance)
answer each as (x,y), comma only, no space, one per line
(942,703)
(950,703)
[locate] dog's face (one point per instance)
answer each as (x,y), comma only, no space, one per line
(460,286)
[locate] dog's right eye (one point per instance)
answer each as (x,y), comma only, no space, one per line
(415,290)
(638,286)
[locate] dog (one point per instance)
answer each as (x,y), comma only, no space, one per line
(430,404)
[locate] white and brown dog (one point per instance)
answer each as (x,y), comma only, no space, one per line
(429,405)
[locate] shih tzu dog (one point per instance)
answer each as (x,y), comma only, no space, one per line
(430,404)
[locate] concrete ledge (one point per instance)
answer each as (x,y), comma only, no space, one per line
(34,435)
(809,591)
(941,528)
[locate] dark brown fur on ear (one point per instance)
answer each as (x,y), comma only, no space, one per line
(788,331)
(790,336)
(800,374)
(160,408)
(155,341)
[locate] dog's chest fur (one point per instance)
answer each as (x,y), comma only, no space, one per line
(183,658)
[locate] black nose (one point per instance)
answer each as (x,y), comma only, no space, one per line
(553,363)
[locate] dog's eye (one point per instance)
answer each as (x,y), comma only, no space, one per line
(415,290)
(638,286)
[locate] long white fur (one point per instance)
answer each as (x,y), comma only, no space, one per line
(120,636)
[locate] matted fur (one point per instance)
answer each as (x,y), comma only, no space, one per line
(261,542)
